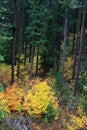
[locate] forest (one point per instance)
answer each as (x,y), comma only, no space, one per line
(43,65)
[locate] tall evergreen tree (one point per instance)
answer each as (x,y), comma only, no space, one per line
(14,39)
(36,28)
(80,51)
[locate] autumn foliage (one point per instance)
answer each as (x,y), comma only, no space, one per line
(38,99)
(68,68)
(78,121)
(13,95)
(35,102)
(11,98)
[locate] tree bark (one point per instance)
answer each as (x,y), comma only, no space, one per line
(20,42)
(37,59)
(77,43)
(49,21)
(30,48)
(56,48)
(14,41)
(80,53)
(32,59)
(64,51)
(55,55)
(25,53)
(73,45)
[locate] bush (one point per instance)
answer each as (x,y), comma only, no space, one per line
(68,68)
(57,83)
(3,105)
(14,95)
(49,114)
(38,99)
(10,99)
(5,74)
(79,122)
(1,87)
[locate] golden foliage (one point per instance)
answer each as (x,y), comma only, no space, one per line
(3,103)
(78,121)
(33,82)
(5,73)
(38,99)
(23,71)
(68,68)
(35,101)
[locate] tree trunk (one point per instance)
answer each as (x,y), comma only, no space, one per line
(32,59)
(55,55)
(73,46)
(64,50)
(80,53)
(56,48)
(37,58)
(20,42)
(14,41)
(49,21)
(30,48)
(77,43)
(25,53)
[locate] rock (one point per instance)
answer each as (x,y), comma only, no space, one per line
(18,122)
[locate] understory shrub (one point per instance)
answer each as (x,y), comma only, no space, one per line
(78,121)
(3,102)
(3,105)
(68,68)
(49,114)
(5,73)
(38,100)
(10,99)
(14,95)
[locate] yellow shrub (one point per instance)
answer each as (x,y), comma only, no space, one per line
(38,99)
(35,102)
(68,68)
(5,73)
(79,121)
(3,103)
(23,72)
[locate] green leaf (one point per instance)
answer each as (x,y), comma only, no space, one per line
(85,88)
(1,114)
(1,88)
(1,58)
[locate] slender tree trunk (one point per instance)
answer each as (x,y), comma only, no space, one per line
(30,48)
(32,59)
(55,55)
(25,53)
(20,43)
(49,22)
(56,49)
(14,41)
(80,53)
(37,58)
(77,43)
(73,46)
(64,50)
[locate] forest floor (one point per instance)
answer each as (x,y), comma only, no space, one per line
(70,115)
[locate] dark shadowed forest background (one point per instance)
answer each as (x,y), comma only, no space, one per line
(43,65)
